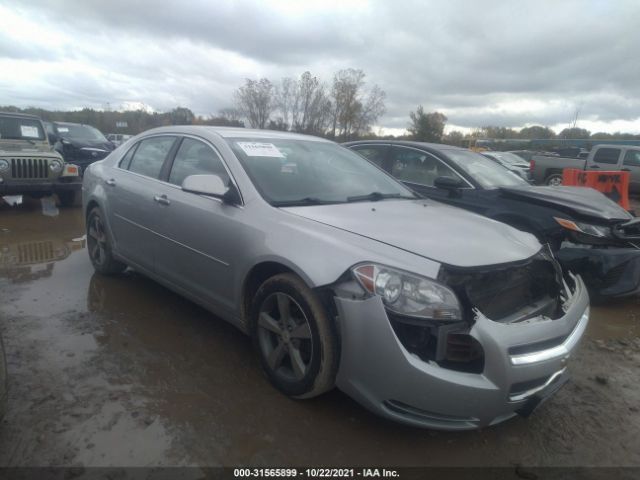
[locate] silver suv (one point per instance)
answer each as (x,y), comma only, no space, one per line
(424,313)
(29,166)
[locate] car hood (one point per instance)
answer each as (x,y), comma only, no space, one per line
(432,230)
(19,146)
(578,200)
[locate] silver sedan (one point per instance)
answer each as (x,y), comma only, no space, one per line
(424,313)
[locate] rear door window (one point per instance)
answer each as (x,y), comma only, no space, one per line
(150,156)
(373,153)
(632,158)
(607,156)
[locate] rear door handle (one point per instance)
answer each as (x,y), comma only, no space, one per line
(111,182)
(162,199)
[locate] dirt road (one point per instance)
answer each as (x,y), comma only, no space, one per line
(120,371)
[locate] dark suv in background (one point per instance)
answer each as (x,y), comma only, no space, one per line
(78,143)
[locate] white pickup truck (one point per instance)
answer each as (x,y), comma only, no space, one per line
(548,170)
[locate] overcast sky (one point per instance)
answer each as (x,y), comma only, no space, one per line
(507,63)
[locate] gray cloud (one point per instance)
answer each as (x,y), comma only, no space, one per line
(480,62)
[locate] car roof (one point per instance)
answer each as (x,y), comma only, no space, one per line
(72,123)
(21,115)
(606,145)
(235,132)
(430,147)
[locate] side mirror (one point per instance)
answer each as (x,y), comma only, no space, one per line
(451,184)
(52,137)
(211,185)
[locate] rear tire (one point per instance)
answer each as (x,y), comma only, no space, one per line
(99,245)
(554,180)
(294,337)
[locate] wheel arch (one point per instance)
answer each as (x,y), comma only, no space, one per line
(265,269)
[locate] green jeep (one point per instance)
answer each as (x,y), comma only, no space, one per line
(28,164)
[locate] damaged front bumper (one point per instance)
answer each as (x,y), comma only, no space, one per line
(607,272)
(524,363)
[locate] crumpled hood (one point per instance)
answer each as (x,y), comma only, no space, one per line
(580,200)
(432,230)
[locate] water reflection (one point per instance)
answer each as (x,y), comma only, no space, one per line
(31,242)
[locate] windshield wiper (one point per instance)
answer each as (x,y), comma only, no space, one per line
(376,196)
(302,201)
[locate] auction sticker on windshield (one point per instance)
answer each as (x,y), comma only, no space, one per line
(29,131)
(258,149)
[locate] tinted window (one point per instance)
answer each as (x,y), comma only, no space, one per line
(373,154)
(414,166)
(632,158)
(196,158)
(607,155)
(150,156)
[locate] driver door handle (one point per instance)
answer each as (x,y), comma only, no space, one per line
(111,182)
(162,199)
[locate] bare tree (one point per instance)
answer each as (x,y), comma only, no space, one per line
(372,109)
(255,99)
(310,106)
(353,111)
(285,96)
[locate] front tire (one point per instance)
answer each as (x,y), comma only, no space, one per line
(296,341)
(99,245)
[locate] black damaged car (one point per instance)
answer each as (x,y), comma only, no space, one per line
(78,143)
(590,234)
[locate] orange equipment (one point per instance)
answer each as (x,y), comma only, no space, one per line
(613,184)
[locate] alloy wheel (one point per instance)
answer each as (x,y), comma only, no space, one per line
(284,336)
(97,240)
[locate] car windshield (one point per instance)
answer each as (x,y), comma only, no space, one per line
(484,171)
(306,172)
(507,158)
(15,128)
(80,132)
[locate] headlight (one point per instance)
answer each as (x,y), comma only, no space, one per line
(4,165)
(586,228)
(408,294)
(55,166)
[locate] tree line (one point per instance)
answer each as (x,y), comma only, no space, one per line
(429,127)
(342,109)
(136,121)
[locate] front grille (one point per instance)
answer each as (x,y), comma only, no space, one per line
(29,168)
(509,293)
